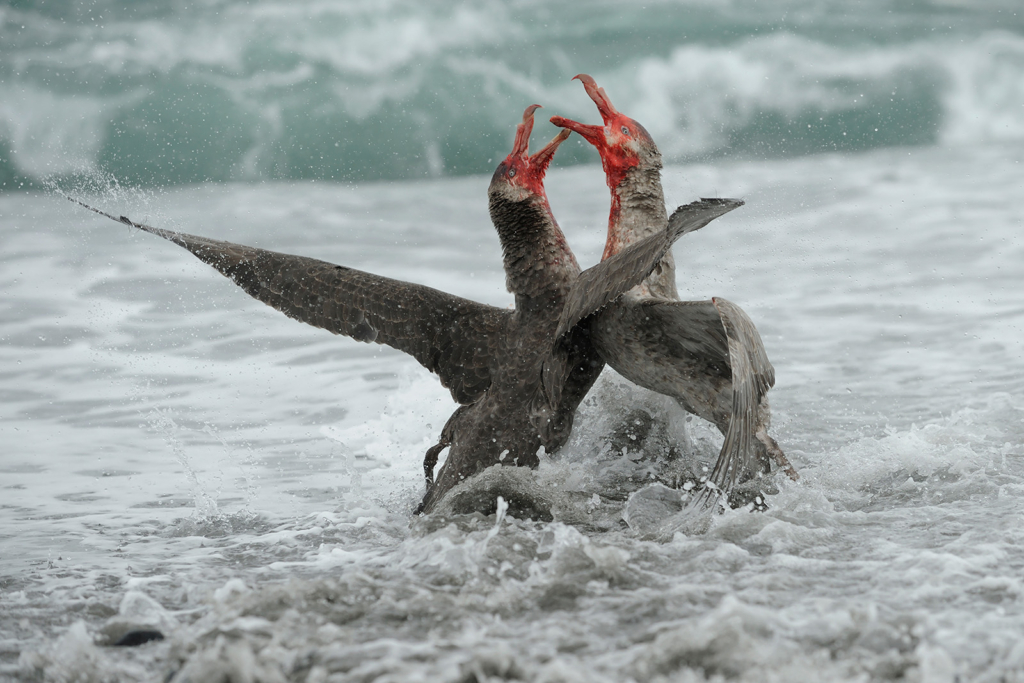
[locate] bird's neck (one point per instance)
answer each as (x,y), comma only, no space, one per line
(539,266)
(637,208)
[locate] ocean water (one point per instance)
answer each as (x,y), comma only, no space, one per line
(178,457)
(160,92)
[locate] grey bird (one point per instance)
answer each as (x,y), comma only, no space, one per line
(518,375)
(707,355)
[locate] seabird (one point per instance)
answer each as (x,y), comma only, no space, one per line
(707,355)
(518,375)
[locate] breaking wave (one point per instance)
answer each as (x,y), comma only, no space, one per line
(171,93)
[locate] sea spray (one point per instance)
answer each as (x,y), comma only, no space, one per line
(888,288)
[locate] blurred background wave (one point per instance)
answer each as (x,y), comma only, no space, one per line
(160,92)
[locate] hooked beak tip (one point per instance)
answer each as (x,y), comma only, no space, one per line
(592,134)
(598,95)
(521,145)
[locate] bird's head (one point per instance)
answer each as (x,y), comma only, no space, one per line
(520,174)
(622,142)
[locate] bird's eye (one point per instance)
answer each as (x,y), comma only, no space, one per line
(511,173)
(625,131)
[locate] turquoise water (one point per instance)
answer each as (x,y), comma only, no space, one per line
(183,92)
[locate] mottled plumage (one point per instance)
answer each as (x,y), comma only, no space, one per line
(705,354)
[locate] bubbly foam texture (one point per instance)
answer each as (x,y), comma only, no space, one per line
(441,596)
(180,457)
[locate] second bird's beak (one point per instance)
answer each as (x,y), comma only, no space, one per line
(521,146)
(543,157)
(592,134)
(600,97)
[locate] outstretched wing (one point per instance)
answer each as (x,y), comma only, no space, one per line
(599,285)
(709,328)
(453,337)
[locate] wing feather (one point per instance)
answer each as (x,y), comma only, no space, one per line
(451,336)
(721,334)
(599,285)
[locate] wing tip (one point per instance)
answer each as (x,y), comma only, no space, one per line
(695,215)
(732,202)
(717,206)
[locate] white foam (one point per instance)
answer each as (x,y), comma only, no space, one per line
(896,555)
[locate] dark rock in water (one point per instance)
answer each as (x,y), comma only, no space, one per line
(516,486)
(139,637)
(486,502)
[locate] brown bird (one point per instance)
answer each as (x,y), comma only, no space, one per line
(707,355)
(519,375)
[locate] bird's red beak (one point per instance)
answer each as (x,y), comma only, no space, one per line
(604,105)
(542,158)
(521,147)
(592,134)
